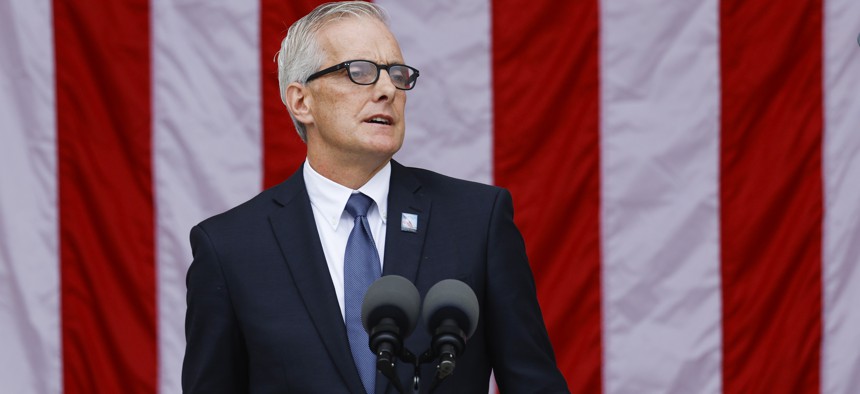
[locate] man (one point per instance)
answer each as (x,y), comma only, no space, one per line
(276,283)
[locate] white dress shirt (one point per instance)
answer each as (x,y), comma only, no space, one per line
(328,200)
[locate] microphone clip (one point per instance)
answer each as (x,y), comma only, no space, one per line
(385,339)
(449,342)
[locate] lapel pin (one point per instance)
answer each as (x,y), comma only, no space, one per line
(409,222)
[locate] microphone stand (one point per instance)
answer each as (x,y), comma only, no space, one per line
(385,363)
(449,341)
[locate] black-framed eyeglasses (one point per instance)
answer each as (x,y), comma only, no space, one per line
(366,72)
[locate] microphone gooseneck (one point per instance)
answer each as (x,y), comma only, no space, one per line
(451,313)
(389,314)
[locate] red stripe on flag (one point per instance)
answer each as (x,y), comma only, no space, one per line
(283,150)
(106,198)
(546,151)
(771,195)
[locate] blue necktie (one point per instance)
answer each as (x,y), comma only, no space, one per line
(360,270)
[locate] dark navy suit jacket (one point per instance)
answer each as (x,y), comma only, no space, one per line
(263,316)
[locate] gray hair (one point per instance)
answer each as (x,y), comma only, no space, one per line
(300,54)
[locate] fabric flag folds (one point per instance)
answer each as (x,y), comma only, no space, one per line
(686,176)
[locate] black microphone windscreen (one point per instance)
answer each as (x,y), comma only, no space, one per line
(393,297)
(451,299)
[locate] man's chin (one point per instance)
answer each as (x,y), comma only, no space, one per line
(386,146)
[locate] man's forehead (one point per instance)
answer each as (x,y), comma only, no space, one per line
(360,37)
(343,25)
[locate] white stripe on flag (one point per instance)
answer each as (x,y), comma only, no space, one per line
(840,361)
(659,149)
(449,114)
(30,360)
(207,136)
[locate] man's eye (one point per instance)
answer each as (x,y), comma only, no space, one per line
(358,73)
(398,77)
(361,72)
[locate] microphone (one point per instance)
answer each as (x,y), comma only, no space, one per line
(389,314)
(451,314)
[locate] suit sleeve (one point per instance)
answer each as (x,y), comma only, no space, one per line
(215,357)
(522,356)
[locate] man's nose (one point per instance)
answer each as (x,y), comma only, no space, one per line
(384,86)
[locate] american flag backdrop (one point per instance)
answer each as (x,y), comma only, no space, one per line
(686,174)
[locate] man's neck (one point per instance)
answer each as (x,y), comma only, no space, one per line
(352,176)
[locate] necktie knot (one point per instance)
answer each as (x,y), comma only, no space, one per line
(358,205)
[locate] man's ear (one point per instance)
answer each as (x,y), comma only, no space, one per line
(298,102)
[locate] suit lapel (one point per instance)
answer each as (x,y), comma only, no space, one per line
(403,248)
(295,229)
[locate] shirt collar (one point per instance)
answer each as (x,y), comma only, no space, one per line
(330,198)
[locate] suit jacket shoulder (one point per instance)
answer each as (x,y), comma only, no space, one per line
(256,209)
(445,184)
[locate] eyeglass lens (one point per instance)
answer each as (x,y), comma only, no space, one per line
(366,73)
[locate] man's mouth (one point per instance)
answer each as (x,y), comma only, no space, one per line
(379,120)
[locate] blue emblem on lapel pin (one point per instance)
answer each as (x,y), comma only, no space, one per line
(409,222)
